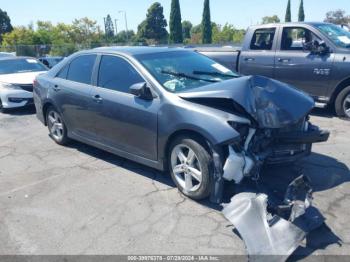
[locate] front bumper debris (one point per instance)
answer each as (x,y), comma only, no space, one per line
(273,233)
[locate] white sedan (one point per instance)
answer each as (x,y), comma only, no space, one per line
(16,81)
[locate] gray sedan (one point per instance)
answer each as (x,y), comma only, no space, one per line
(176,110)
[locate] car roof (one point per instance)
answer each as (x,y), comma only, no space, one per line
(135,50)
(290,24)
(50,57)
(16,58)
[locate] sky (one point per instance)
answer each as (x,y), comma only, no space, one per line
(240,13)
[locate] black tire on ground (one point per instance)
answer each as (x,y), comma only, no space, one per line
(2,110)
(341,103)
(62,139)
(204,161)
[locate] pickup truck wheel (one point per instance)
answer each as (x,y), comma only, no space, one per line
(190,167)
(342,103)
(57,128)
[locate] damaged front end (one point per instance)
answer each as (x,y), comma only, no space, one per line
(277,131)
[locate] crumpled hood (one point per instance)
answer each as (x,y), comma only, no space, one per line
(271,103)
(20,78)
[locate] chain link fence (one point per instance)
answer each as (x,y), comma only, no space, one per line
(45,50)
(68,49)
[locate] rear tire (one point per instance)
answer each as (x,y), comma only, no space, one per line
(342,103)
(190,167)
(57,127)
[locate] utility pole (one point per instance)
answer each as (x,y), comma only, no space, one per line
(116,26)
(126,25)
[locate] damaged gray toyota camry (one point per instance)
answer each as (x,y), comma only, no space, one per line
(174,109)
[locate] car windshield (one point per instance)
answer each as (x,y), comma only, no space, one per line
(13,66)
(336,34)
(184,70)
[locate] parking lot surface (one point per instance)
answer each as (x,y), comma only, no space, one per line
(80,200)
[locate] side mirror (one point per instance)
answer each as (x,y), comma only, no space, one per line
(323,48)
(142,91)
(316,47)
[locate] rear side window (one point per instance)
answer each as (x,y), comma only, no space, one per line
(80,69)
(263,39)
(117,74)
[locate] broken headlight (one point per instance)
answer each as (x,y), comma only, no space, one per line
(242,129)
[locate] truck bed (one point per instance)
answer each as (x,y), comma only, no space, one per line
(227,56)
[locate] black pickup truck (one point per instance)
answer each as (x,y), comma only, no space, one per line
(314,57)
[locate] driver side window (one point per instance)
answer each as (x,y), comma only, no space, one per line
(117,74)
(295,38)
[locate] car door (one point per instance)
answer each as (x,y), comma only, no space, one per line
(123,121)
(305,70)
(71,92)
(258,56)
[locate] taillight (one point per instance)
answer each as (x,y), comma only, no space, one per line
(35,83)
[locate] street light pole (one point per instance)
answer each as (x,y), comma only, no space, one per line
(126,25)
(116,26)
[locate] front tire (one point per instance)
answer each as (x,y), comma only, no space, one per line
(342,103)
(2,109)
(190,167)
(57,128)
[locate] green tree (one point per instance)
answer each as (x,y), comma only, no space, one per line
(62,40)
(109,27)
(337,17)
(222,34)
(301,14)
(86,32)
(206,24)
(238,36)
(43,33)
(227,34)
(154,26)
(21,39)
(5,24)
(196,34)
(121,37)
(288,13)
(175,23)
(270,19)
(186,29)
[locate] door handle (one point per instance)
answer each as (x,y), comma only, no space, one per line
(97,98)
(283,60)
(56,88)
(249,59)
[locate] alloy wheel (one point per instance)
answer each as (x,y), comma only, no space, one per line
(346,105)
(186,168)
(55,125)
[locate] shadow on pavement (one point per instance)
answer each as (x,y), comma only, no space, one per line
(274,181)
(124,163)
(326,112)
(318,239)
(22,111)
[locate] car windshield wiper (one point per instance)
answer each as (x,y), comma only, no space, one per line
(179,74)
(213,73)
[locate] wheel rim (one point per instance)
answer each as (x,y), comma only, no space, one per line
(346,105)
(186,168)
(55,125)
